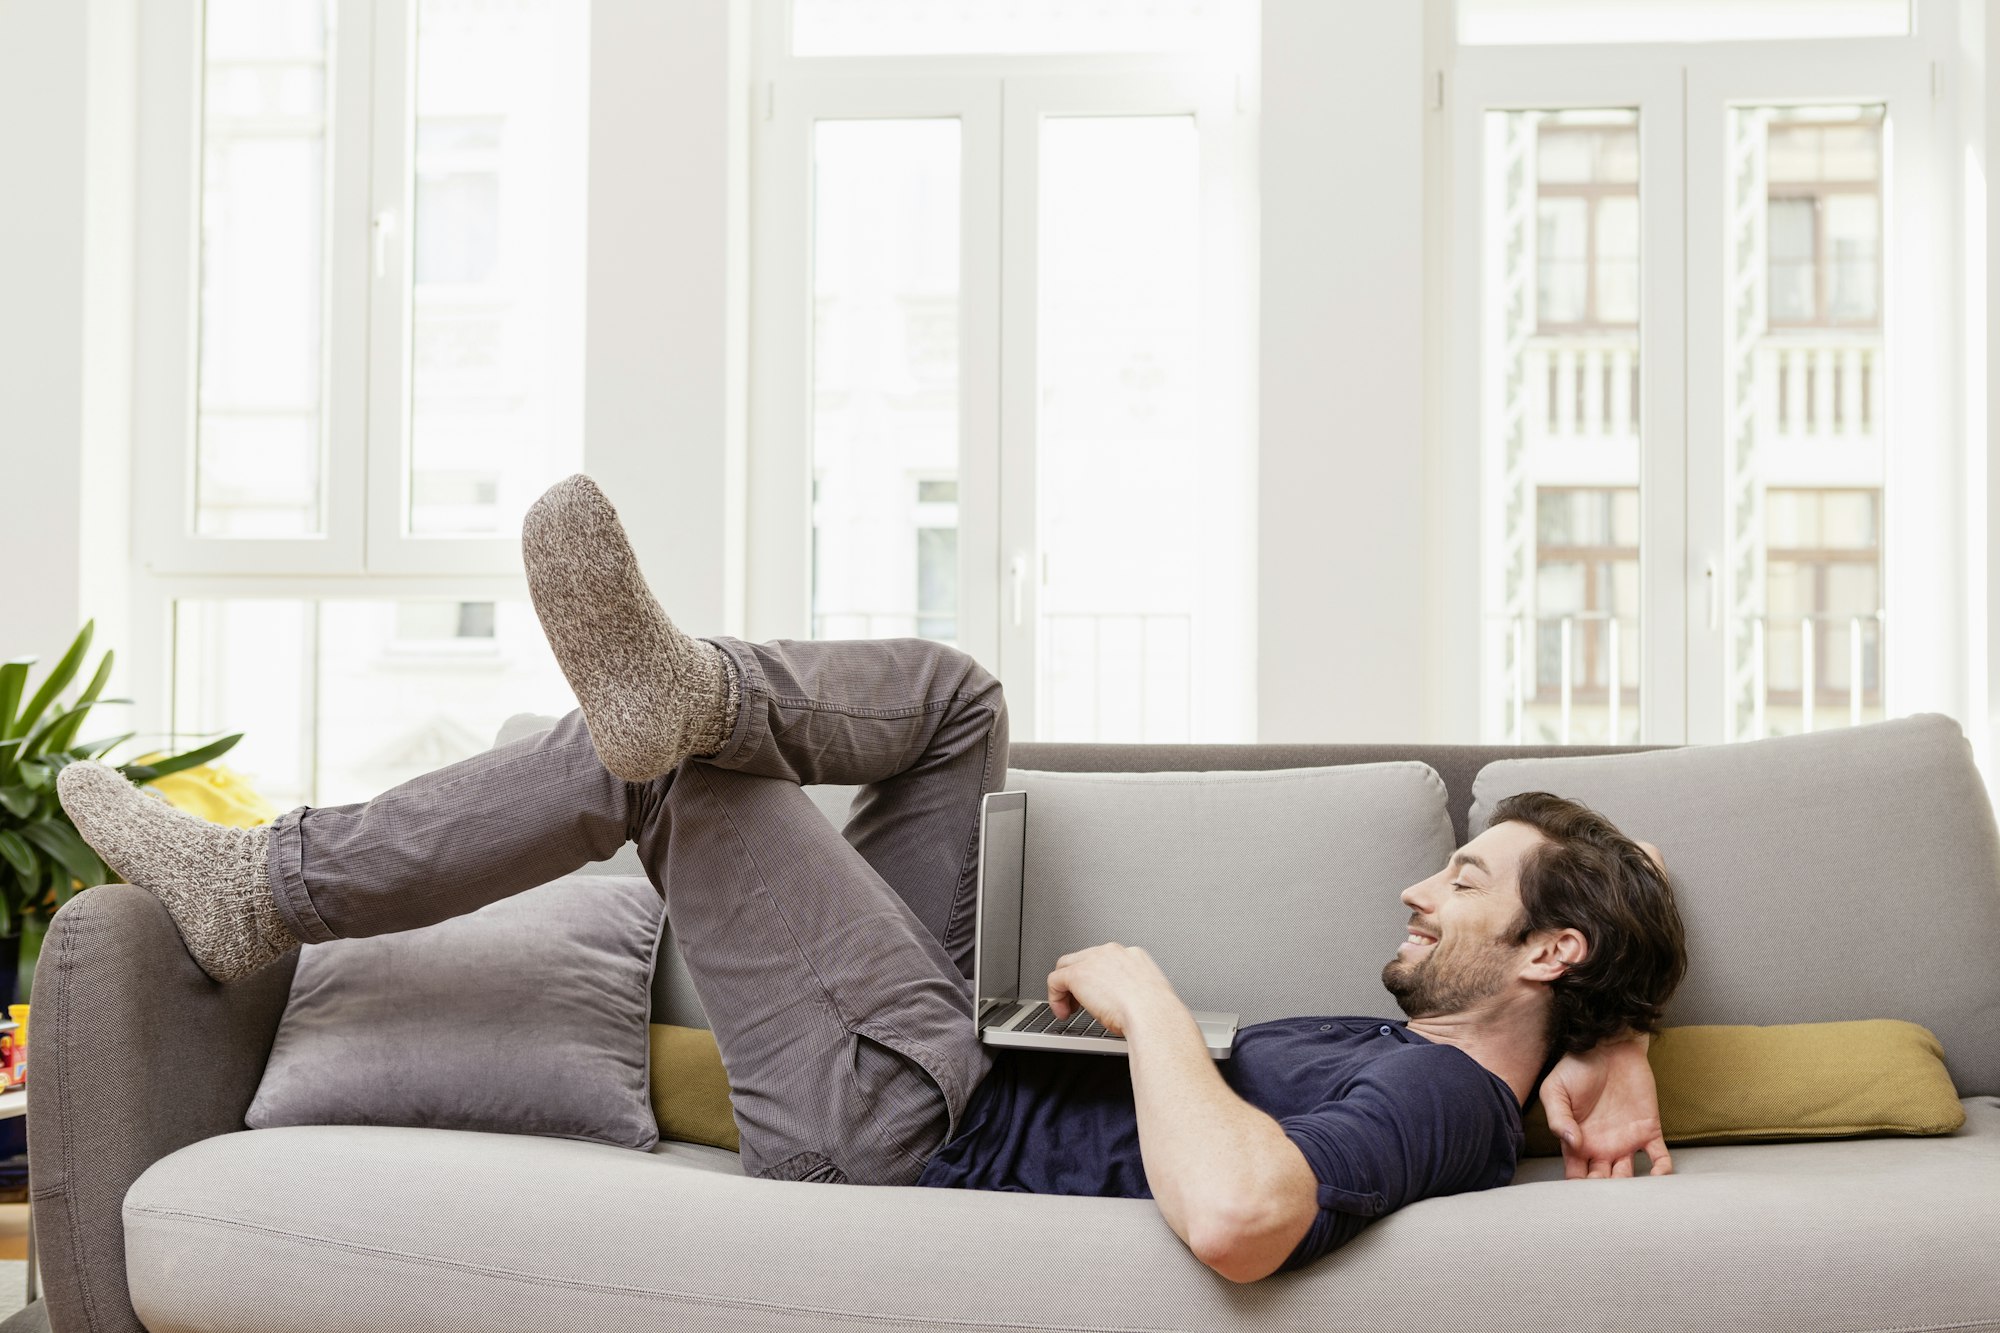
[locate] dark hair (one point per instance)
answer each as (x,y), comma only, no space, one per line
(1591,877)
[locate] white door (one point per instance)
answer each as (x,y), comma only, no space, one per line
(1692,409)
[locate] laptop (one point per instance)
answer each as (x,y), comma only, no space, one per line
(1006,1015)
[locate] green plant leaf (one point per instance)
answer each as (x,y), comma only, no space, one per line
(17,800)
(38,774)
(60,738)
(40,737)
(13,675)
(98,748)
(18,855)
(69,850)
(59,679)
(191,759)
(64,732)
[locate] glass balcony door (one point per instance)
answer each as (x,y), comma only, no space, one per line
(1017,308)
(1127,515)
(1693,514)
(1569,404)
(1823,505)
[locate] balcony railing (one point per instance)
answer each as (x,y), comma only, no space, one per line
(1524,683)
(1809,385)
(1810,693)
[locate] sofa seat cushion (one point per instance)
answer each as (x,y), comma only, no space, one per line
(366,1228)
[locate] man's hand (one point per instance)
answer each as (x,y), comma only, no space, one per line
(1604,1107)
(1113,982)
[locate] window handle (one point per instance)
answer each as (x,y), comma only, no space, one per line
(383,224)
(1714,591)
(1020,570)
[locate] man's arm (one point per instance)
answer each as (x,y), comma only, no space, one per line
(1225,1176)
(1604,1106)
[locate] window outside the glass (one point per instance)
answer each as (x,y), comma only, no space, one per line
(498,192)
(260,378)
(1805,441)
(340,699)
(885,378)
(1563,647)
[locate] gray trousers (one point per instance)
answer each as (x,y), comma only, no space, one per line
(834,965)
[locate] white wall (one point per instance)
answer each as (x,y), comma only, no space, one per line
(667,321)
(1342,545)
(66,226)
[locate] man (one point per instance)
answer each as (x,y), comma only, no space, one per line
(834,965)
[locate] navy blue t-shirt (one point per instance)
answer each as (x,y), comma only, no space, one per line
(1383,1115)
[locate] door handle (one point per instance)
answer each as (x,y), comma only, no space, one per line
(384,226)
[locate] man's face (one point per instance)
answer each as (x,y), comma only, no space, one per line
(1461,951)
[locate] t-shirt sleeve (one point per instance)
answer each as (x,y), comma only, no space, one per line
(1429,1121)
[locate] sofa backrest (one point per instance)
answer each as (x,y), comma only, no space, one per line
(1269,894)
(1844,874)
(1847,874)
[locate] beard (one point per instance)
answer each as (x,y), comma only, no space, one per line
(1448,980)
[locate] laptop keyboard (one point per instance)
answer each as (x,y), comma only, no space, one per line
(1043,1020)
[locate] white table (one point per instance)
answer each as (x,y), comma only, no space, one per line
(12,1104)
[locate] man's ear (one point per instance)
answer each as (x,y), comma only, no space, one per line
(1554,952)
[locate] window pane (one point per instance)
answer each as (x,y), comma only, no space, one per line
(1803,583)
(1528,22)
(1618,260)
(885,375)
(1561,648)
(937,583)
(1563,269)
(244,665)
(497,200)
(1118,462)
(399,696)
(266,78)
(1852,242)
(341,700)
(940,27)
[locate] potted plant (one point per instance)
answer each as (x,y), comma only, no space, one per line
(44,861)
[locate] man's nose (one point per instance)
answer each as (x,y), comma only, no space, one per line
(1416,899)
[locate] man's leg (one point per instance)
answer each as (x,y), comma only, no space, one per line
(846,1030)
(922,730)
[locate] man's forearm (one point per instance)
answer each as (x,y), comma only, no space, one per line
(1222,1172)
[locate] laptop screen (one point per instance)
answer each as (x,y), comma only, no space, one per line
(1003,845)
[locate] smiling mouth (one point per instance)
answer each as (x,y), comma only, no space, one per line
(1417,942)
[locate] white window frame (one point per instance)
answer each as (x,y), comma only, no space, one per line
(999,101)
(1682,92)
(365,365)
(363,554)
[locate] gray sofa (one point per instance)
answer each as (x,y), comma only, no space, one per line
(1842,875)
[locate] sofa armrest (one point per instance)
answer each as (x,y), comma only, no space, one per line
(134,1054)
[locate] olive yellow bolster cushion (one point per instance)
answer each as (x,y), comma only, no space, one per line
(1792,1081)
(1716,1084)
(690,1088)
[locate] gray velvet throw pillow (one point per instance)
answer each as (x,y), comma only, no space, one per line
(528,1016)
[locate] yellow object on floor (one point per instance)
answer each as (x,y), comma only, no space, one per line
(218,794)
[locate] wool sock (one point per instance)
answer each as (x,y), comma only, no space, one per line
(651,694)
(212,878)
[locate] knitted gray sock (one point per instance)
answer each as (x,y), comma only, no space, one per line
(211,877)
(651,694)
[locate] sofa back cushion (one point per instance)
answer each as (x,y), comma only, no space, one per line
(1842,875)
(1268,893)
